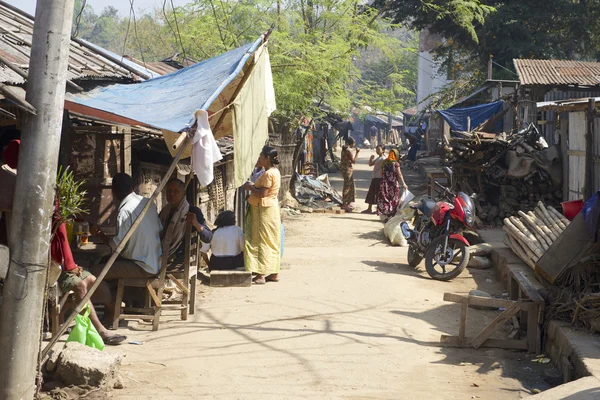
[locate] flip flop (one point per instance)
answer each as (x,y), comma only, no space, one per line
(261,281)
(366,212)
(114,340)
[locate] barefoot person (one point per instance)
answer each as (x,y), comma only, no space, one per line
(375,180)
(346,166)
(73,277)
(263,223)
(389,190)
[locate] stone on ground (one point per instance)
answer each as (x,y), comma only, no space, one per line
(479,262)
(230,278)
(482,249)
(82,365)
(479,293)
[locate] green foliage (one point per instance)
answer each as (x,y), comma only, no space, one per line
(476,30)
(70,195)
(316,48)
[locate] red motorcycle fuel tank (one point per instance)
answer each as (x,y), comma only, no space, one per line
(439,212)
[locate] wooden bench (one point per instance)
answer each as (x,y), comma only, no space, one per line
(483,339)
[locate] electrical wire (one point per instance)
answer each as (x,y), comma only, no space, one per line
(78,18)
(126,37)
(178,33)
(137,39)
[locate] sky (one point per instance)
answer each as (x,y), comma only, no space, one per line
(98,5)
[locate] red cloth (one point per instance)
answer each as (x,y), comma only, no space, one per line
(11,153)
(61,250)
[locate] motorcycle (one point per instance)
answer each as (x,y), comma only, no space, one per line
(437,235)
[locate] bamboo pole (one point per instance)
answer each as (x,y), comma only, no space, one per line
(518,250)
(523,236)
(541,236)
(119,248)
(550,236)
(553,221)
(562,221)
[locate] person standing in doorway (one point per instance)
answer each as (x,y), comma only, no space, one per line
(373,192)
(263,223)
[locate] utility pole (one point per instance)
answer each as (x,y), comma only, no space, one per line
(29,237)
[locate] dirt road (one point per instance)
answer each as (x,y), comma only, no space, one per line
(349,319)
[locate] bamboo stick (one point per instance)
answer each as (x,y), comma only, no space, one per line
(542,208)
(513,245)
(532,241)
(523,235)
(526,250)
(543,226)
(541,236)
(562,221)
(550,222)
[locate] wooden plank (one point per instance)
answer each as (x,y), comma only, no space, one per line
(533,332)
(528,288)
(177,283)
(157,301)
(463,322)
(126,150)
(496,343)
(571,246)
(495,325)
(481,301)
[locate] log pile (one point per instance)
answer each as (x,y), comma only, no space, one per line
(532,233)
(480,163)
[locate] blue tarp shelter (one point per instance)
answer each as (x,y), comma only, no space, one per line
(235,89)
(457,117)
(165,102)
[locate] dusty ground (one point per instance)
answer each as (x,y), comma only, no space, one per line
(349,319)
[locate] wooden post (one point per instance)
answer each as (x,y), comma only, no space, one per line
(589,150)
(120,247)
(23,299)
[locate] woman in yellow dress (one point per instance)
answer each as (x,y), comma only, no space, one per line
(262,230)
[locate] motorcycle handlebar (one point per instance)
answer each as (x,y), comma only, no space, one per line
(444,188)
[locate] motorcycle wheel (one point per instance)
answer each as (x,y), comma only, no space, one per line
(459,261)
(414,258)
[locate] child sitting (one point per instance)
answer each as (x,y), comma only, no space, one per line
(227,244)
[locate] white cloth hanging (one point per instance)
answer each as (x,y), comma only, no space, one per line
(205,151)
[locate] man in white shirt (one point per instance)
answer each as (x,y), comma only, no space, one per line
(141,256)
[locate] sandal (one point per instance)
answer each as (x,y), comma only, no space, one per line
(366,212)
(272,278)
(259,280)
(114,340)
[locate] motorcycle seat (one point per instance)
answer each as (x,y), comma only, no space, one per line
(426,206)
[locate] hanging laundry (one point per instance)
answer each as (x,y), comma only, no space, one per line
(205,151)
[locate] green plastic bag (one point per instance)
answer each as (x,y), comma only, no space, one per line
(84,332)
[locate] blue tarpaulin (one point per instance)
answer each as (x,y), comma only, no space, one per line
(457,117)
(169,101)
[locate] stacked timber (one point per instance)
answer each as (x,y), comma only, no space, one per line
(481,163)
(532,233)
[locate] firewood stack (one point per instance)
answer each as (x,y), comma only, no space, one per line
(479,161)
(531,234)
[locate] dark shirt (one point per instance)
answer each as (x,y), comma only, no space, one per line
(205,235)
(374,130)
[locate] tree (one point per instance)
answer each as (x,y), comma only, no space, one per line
(313,49)
(504,29)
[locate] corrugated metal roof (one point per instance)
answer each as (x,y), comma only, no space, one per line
(16,30)
(557,72)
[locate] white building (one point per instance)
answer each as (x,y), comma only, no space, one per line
(430,78)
